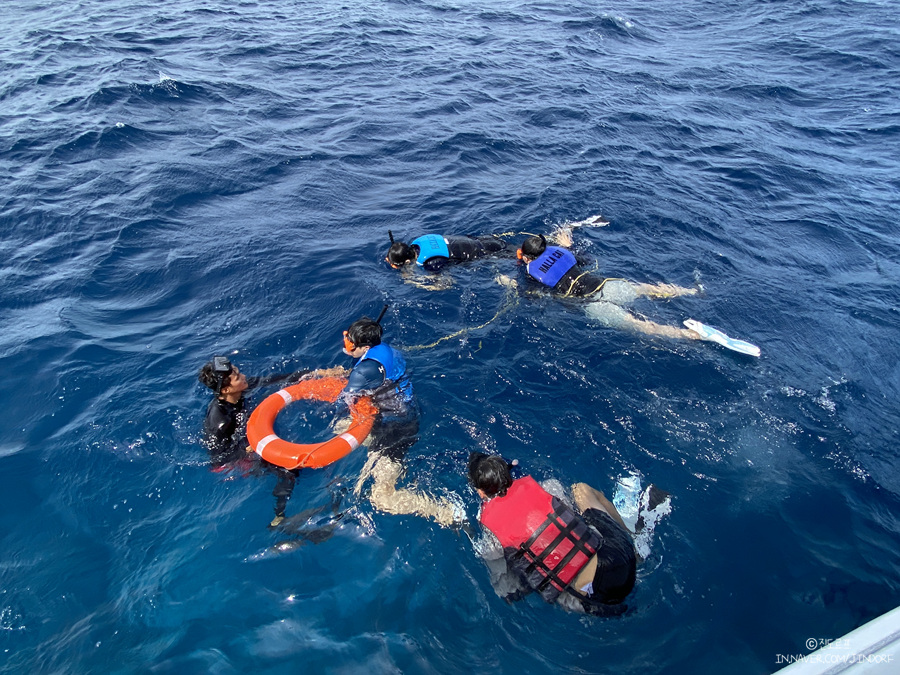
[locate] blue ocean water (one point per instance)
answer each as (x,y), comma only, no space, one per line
(187,178)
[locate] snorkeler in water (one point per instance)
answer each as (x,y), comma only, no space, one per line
(582,558)
(224,428)
(434,252)
(379,372)
(557,268)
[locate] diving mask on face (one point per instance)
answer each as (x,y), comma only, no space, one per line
(348,346)
(221,369)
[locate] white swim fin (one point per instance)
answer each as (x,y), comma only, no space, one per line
(655,504)
(712,335)
(593,221)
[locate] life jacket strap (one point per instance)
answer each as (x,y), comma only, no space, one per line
(536,560)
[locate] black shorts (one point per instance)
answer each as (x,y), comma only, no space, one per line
(392,437)
(578,284)
(616,559)
(492,245)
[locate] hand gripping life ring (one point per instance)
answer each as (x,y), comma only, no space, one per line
(265,443)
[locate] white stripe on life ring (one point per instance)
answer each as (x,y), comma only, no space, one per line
(351,441)
(264,442)
(286,396)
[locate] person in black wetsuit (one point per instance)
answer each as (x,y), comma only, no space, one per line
(224,428)
(433,252)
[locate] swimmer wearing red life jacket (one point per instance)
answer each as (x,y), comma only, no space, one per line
(583,561)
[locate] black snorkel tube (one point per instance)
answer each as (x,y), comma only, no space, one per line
(385,308)
(391,236)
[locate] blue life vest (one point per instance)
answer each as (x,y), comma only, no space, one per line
(430,246)
(394,369)
(551,265)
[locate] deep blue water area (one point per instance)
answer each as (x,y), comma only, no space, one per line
(181,179)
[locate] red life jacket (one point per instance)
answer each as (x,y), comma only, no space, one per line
(545,532)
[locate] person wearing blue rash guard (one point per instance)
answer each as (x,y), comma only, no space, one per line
(380,372)
(433,252)
(557,268)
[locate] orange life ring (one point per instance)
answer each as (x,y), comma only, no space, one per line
(265,443)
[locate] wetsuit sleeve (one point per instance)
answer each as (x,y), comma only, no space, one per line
(367,375)
(464,248)
(505,583)
(435,264)
(527,281)
(219,429)
(276,378)
(218,426)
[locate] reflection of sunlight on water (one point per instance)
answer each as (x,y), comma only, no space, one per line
(824,400)
(480,435)
(9,620)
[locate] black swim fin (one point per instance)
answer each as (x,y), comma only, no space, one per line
(651,498)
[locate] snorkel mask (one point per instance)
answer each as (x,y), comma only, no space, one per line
(348,345)
(221,369)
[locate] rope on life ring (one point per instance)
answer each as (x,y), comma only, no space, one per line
(265,443)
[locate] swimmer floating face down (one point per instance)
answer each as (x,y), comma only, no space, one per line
(399,253)
(532,248)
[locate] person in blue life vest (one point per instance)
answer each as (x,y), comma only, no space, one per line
(557,268)
(433,252)
(582,559)
(224,428)
(379,371)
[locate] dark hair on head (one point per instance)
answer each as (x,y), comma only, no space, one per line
(534,246)
(489,473)
(365,332)
(209,377)
(400,253)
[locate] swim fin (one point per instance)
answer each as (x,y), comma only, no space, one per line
(593,221)
(712,335)
(655,504)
